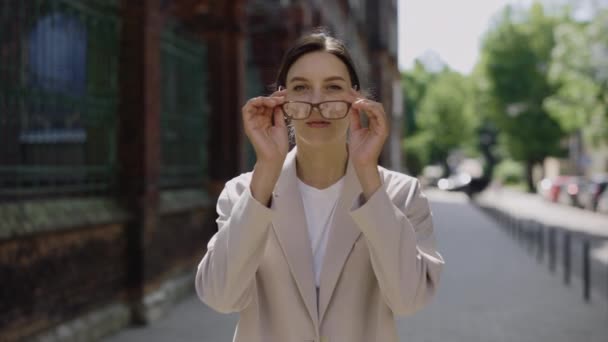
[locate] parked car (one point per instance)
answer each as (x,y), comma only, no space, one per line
(549,188)
(602,203)
(590,194)
(455,182)
(543,188)
(570,190)
(463,182)
(431,175)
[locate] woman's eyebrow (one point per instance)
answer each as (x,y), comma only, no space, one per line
(335,78)
(328,79)
(297,78)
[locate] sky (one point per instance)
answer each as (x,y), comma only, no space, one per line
(450,28)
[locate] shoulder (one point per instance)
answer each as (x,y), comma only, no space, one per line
(405,192)
(237,185)
(398,183)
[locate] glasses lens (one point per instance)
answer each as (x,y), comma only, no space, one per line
(334,109)
(296,110)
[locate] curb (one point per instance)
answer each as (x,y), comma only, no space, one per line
(565,250)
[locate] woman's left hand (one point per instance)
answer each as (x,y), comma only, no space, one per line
(366,143)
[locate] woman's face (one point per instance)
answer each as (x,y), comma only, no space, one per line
(316,77)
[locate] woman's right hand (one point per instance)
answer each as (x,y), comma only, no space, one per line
(269,141)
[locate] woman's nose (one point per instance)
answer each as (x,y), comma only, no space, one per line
(315,112)
(316,97)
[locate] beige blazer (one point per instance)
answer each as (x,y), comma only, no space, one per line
(380,261)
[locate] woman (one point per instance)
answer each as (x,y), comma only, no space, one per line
(319,243)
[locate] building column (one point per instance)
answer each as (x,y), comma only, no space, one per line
(226,44)
(139,138)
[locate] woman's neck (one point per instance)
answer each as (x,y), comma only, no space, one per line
(322,166)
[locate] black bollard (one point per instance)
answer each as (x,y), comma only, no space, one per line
(532,236)
(513,226)
(529,226)
(551,233)
(520,229)
(540,242)
(566,257)
(586,269)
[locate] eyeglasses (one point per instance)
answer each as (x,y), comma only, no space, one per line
(331,110)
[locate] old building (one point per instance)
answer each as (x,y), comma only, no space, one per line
(369,28)
(120,124)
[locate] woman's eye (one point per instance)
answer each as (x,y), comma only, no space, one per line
(334,87)
(299,88)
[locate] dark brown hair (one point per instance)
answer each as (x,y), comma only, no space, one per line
(318,40)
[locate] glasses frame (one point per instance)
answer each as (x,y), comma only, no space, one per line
(316,105)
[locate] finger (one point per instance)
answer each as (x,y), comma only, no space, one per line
(352,95)
(281,92)
(379,119)
(355,120)
(368,105)
(249,109)
(268,112)
(375,113)
(270,102)
(279,120)
(255,105)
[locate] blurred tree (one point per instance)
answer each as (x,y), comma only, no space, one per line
(509,172)
(441,120)
(415,83)
(482,106)
(579,66)
(515,57)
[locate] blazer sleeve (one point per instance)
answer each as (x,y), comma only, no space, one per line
(225,278)
(401,243)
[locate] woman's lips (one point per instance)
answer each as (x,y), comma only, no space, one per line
(318,124)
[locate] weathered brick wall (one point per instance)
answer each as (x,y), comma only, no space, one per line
(49,278)
(178,244)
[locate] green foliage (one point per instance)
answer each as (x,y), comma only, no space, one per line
(417,151)
(579,66)
(415,83)
(509,171)
(541,76)
(514,68)
(436,103)
(442,114)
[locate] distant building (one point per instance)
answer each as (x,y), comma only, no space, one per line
(369,28)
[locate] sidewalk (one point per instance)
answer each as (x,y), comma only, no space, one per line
(491,291)
(189,321)
(534,207)
(583,224)
(576,225)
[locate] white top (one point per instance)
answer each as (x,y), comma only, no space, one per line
(319,207)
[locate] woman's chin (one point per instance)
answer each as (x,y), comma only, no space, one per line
(318,140)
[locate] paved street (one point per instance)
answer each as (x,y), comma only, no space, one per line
(491,291)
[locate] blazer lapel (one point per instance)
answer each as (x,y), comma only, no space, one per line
(342,237)
(292,233)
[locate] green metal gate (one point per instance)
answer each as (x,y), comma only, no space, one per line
(58,96)
(185,109)
(253,87)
